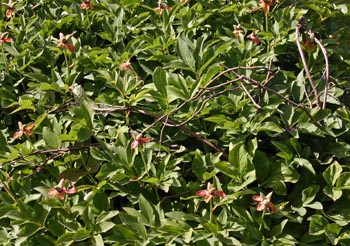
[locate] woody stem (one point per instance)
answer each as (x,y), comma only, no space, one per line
(67,64)
(211,211)
(267,30)
(4,57)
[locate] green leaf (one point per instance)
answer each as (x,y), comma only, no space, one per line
(55,227)
(314,205)
(24,104)
(278,229)
(226,168)
(202,166)
(101,201)
(317,224)
(135,226)
(98,240)
(51,138)
(340,149)
(287,114)
(262,165)
(343,182)
(72,174)
(160,81)
(241,158)
(276,179)
(298,87)
(213,53)
(218,118)
(186,53)
(81,234)
(105,226)
(332,232)
(147,210)
(310,128)
(309,194)
(126,232)
(332,173)
(107,215)
(65,239)
(304,163)
(333,192)
(29,229)
(3,143)
(270,126)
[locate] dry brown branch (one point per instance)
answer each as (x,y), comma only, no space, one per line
(250,96)
(326,71)
(307,70)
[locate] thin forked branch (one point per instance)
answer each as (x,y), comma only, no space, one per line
(326,71)
(307,70)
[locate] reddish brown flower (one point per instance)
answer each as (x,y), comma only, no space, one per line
(210,192)
(264,202)
(237,30)
(254,38)
(160,9)
(125,66)
(26,130)
(4,38)
(10,9)
(139,141)
(86,5)
(63,42)
(60,191)
(9,12)
(265,5)
(309,45)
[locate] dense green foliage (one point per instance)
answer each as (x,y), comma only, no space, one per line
(115,115)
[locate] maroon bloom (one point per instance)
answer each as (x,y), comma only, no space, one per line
(60,191)
(210,192)
(10,9)
(162,7)
(139,141)
(63,42)
(264,202)
(125,66)
(237,30)
(22,129)
(265,5)
(86,5)
(4,38)
(254,38)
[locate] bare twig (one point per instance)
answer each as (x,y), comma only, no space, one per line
(254,82)
(222,84)
(203,104)
(326,72)
(174,196)
(39,166)
(307,70)
(51,151)
(166,121)
(183,128)
(250,96)
(267,80)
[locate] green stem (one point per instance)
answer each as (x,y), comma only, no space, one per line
(267,30)
(7,187)
(148,174)
(211,211)
(4,57)
(87,169)
(67,63)
(262,219)
(144,161)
